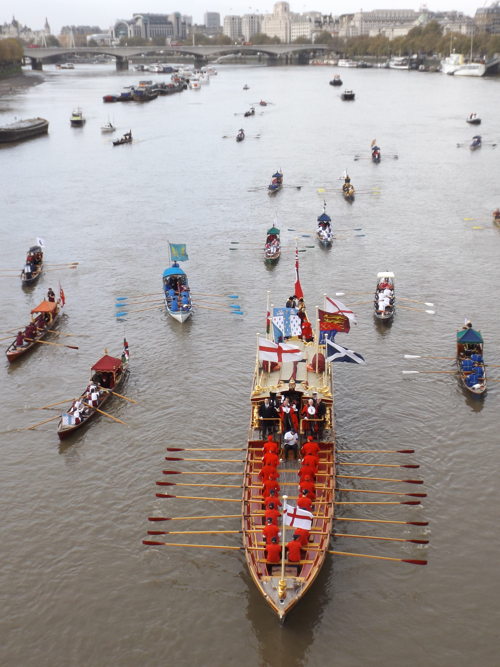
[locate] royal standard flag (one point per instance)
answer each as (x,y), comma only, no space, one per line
(178,252)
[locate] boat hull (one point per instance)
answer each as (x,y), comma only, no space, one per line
(14,353)
(24,129)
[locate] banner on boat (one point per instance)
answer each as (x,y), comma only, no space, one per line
(333,321)
(278,352)
(336,352)
(68,420)
(297,517)
(286,323)
(178,252)
(336,306)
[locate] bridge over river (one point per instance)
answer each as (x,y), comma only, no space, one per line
(201,54)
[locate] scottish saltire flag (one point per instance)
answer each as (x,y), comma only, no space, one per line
(336,352)
(297,517)
(287,321)
(68,420)
(336,306)
(269,351)
(40,242)
(178,252)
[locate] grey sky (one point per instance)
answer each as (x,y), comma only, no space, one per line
(104,14)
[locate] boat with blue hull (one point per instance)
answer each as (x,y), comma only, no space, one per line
(276,183)
(176,290)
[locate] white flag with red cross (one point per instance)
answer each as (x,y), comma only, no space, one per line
(297,517)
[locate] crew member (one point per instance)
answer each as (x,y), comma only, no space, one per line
(293,549)
(267,414)
(304,501)
(302,535)
(307,472)
(270,459)
(273,514)
(269,531)
(270,446)
(51,295)
(291,440)
(310,461)
(307,484)
(19,339)
(268,485)
(268,473)
(273,551)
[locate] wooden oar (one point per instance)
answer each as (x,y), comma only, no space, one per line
(106,414)
(60,333)
(206,449)
(381,479)
(51,405)
(62,264)
(192,518)
(376,451)
(193,532)
(397,560)
(385,493)
(419,356)
(432,372)
(191,546)
(224,500)
(372,502)
(425,303)
(418,310)
(399,523)
(140,310)
(7,338)
(219,486)
(61,268)
(29,428)
(220,310)
(229,296)
(197,472)
(123,304)
(374,537)
(130,400)
(45,342)
(173,458)
(379,465)
(137,296)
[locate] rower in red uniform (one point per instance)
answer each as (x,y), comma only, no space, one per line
(268,472)
(310,447)
(304,501)
(272,498)
(270,459)
(293,548)
(273,551)
(269,531)
(308,485)
(307,472)
(268,485)
(302,535)
(273,514)
(270,446)
(310,461)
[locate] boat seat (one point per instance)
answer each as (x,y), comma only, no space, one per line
(300,562)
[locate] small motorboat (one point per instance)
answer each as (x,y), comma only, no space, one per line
(126,139)
(336,81)
(475,143)
(263,103)
(108,127)
(110,98)
(385,298)
(77,118)
(176,291)
(250,112)
(473,119)
(276,183)
(241,135)
(348,96)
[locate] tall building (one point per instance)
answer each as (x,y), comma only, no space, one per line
(487,19)
(250,25)
(232,27)
(277,24)
(212,23)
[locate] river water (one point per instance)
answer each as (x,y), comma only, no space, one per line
(78,588)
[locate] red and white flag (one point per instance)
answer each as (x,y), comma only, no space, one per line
(298,287)
(61,295)
(269,351)
(336,306)
(297,517)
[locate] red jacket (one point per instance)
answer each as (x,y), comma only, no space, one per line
(305,503)
(310,488)
(303,536)
(294,551)
(269,531)
(273,553)
(268,485)
(268,473)
(272,499)
(270,446)
(307,471)
(272,514)
(310,447)
(270,459)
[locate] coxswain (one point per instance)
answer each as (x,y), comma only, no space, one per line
(269,531)
(293,549)
(272,513)
(270,459)
(268,485)
(273,551)
(304,501)
(19,339)
(270,446)
(51,295)
(268,473)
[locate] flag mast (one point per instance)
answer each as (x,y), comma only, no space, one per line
(268,316)
(317,338)
(282,581)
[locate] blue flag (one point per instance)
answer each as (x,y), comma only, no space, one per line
(335,352)
(178,252)
(326,335)
(287,321)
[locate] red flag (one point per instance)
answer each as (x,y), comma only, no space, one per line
(268,322)
(298,287)
(61,296)
(333,321)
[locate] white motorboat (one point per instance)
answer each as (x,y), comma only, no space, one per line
(399,62)
(108,127)
(456,65)
(347,63)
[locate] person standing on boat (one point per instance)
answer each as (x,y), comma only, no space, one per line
(268,414)
(51,295)
(291,443)
(309,413)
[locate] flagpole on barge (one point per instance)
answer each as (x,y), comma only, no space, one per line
(282,581)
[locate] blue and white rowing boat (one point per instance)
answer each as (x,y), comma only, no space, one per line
(175,285)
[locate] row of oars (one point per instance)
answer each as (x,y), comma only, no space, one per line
(209,475)
(215,302)
(440,372)
(14,273)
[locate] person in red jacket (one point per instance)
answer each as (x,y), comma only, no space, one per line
(268,485)
(270,446)
(273,551)
(270,459)
(304,501)
(272,498)
(310,461)
(310,447)
(273,514)
(307,471)
(269,531)
(302,535)
(268,472)
(293,548)
(308,485)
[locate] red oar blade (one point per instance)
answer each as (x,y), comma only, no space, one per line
(413,481)
(417,495)
(173,484)
(150,543)
(405,451)
(172,458)
(175,449)
(157,532)
(165,495)
(410,465)
(405,502)
(171,472)
(414,562)
(417,523)
(159,518)
(412,541)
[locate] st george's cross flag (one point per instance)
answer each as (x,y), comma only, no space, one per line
(297,517)
(336,306)
(269,351)
(336,352)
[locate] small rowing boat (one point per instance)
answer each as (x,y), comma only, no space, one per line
(276,183)
(126,139)
(376,156)
(475,143)
(385,296)
(324,232)
(241,135)
(348,190)
(175,285)
(272,249)
(496,217)
(108,127)
(473,119)
(348,95)
(336,81)
(107,375)
(291,377)
(33,266)
(470,362)
(43,318)
(250,112)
